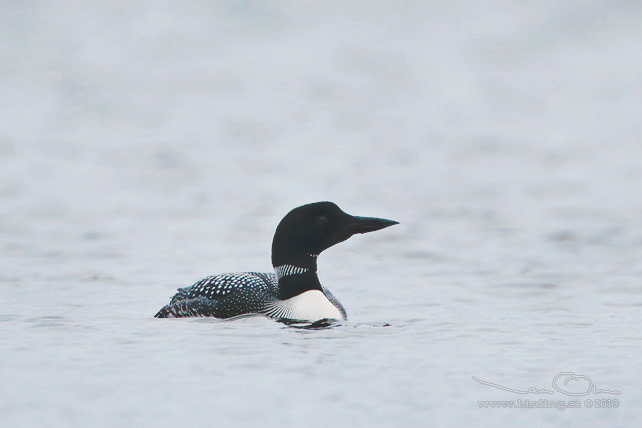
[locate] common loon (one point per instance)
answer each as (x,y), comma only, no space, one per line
(293,293)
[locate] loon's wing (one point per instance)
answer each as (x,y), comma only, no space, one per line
(198,307)
(223,296)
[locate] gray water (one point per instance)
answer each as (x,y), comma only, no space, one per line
(145,145)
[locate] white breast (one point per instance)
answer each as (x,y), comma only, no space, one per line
(309,306)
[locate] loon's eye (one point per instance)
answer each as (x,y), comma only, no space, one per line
(321,220)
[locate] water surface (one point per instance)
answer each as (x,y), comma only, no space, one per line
(145,147)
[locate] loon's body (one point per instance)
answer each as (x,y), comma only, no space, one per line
(293,292)
(232,294)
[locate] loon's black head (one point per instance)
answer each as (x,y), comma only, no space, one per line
(309,229)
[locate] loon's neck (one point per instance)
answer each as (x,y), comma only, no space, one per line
(297,276)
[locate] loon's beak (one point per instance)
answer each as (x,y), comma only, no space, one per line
(366,224)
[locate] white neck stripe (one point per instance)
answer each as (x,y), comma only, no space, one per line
(287,270)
